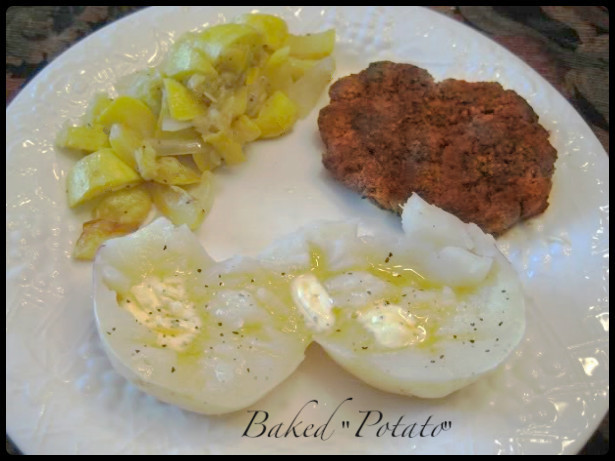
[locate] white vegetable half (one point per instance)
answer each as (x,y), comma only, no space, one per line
(192,332)
(433,339)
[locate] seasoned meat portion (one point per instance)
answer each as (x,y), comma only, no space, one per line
(473,149)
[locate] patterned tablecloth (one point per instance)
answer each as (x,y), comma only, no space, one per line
(567,45)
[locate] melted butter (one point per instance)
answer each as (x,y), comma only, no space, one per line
(201,290)
(162,305)
(422,331)
(391,325)
(318,265)
(313,302)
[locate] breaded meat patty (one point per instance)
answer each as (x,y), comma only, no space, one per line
(473,149)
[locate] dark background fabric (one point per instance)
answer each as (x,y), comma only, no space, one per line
(567,45)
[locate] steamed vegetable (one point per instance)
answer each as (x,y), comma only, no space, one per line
(96,174)
(217,90)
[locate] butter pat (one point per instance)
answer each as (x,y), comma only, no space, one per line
(314,303)
(391,326)
(162,307)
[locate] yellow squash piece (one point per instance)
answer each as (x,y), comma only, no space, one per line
(96,174)
(164,170)
(127,206)
(207,160)
(312,46)
(99,103)
(124,142)
(278,70)
(182,104)
(172,171)
(252,74)
(274,29)
(186,59)
(245,130)
(298,67)
(146,86)
(85,138)
(146,157)
(277,115)
(185,205)
(306,91)
(230,46)
(228,148)
(131,112)
(236,104)
(95,233)
(277,58)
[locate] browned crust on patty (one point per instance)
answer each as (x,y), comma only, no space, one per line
(473,149)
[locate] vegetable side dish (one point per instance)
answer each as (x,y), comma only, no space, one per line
(171,126)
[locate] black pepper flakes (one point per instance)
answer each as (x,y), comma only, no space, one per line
(172,369)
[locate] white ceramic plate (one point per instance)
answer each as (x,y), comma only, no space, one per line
(64,397)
